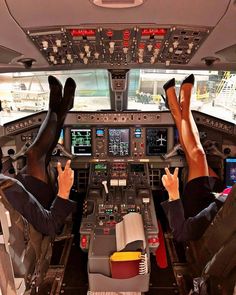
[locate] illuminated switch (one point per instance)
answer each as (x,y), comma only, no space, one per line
(122,182)
(146,200)
(114,182)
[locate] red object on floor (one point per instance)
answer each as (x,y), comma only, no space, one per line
(161,257)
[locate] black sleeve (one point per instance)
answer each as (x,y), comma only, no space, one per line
(191,228)
(45,221)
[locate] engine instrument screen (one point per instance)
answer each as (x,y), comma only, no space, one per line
(118,142)
(100,167)
(81,142)
(156,141)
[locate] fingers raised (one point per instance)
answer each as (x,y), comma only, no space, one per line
(67,166)
(176,172)
(59,169)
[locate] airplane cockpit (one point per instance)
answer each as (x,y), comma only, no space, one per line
(120,135)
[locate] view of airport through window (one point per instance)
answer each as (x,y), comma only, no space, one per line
(214,92)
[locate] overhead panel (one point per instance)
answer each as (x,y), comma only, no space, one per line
(122,45)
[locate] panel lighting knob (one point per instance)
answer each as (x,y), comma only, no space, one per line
(156,51)
(51,58)
(175,44)
(149,47)
(45,44)
(58,43)
(68,56)
(152,60)
(96,55)
(81,55)
(190,45)
(86,48)
(55,49)
(112,44)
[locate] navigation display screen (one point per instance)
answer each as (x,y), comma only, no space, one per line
(81,141)
(156,141)
(230,171)
(118,142)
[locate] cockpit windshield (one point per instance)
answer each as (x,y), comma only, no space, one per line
(24,93)
(214,92)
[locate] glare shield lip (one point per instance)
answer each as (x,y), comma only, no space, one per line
(118,3)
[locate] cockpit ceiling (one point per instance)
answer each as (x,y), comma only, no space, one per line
(157,34)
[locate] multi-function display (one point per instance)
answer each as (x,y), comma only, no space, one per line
(81,142)
(118,142)
(156,141)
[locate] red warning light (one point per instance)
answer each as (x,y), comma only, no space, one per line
(158,45)
(83,242)
(125,43)
(141,45)
(157,32)
(82,32)
(109,33)
(126,35)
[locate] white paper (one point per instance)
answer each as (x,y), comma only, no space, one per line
(129,230)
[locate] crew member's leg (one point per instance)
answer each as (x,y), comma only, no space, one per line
(194,151)
(197,194)
(39,153)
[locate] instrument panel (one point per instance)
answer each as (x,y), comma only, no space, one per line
(127,136)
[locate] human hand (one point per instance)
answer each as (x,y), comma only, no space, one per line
(171,183)
(65,179)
